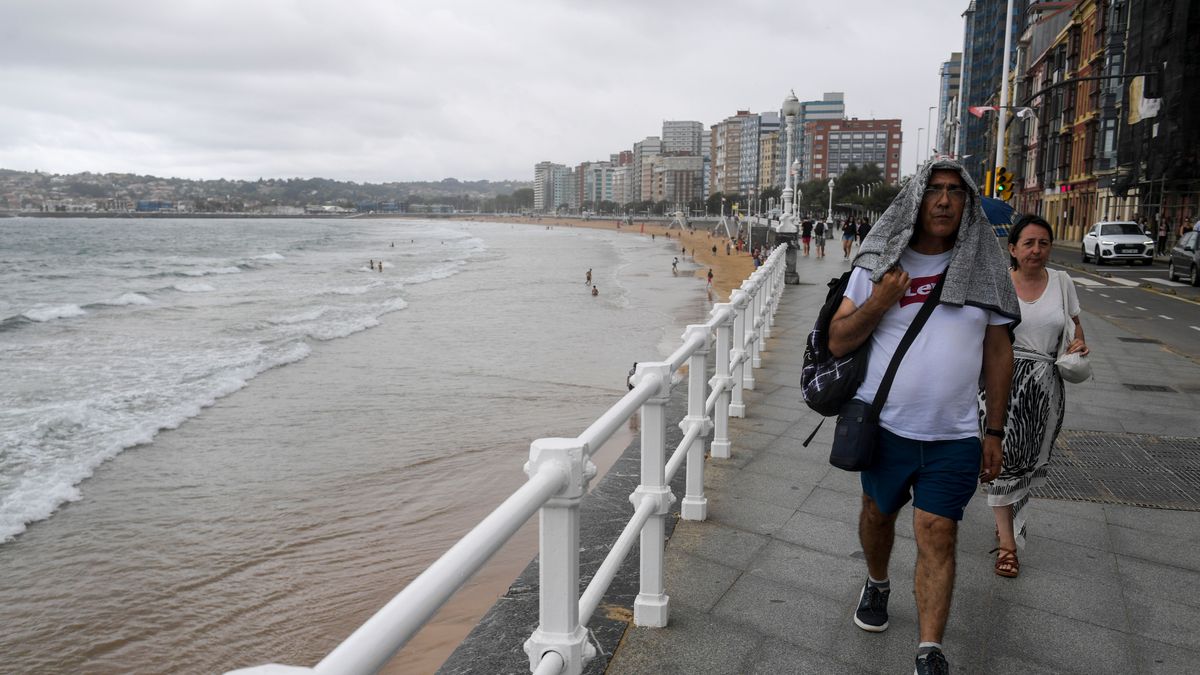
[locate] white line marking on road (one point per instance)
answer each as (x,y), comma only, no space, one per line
(1166,317)
(1164,282)
(1121,301)
(1123,282)
(1086,282)
(1194,327)
(1104,295)
(1141,308)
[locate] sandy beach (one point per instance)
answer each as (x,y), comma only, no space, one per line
(729,271)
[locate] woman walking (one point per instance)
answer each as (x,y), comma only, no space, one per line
(1036,402)
(848,233)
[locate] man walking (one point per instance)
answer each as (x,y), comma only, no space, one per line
(929,447)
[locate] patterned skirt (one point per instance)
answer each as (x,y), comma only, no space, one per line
(1035,415)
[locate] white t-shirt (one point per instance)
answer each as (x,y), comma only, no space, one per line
(934,396)
(1042,320)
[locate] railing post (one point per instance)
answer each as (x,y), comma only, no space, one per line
(767,291)
(739,299)
(652,605)
(750,337)
(720,442)
(695,505)
(559,629)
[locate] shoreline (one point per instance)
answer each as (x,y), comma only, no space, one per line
(729,271)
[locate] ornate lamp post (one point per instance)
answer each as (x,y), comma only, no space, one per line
(829,217)
(786,230)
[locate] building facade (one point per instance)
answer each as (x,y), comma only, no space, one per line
(949,79)
(833,146)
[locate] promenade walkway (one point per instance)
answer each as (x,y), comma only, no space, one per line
(769,582)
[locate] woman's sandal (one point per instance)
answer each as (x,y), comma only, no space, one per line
(1007,564)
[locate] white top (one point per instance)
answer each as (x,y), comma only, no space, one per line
(1042,321)
(934,396)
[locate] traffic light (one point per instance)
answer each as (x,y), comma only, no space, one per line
(1004,187)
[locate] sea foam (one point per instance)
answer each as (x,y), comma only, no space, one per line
(50,312)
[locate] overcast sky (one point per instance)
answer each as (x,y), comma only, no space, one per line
(382,90)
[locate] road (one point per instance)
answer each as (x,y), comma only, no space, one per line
(1140,299)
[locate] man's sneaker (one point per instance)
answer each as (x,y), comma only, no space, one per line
(871,614)
(933,663)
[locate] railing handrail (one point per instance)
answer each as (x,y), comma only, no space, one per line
(559,470)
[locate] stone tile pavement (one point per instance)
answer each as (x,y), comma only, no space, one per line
(769,582)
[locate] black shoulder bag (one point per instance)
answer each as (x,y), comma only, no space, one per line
(857,433)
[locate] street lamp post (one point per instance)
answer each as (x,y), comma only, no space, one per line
(918,165)
(786,231)
(829,216)
(929,132)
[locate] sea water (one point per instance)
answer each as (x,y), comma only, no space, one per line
(377,416)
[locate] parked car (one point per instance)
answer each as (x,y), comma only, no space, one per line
(1183,259)
(1111,241)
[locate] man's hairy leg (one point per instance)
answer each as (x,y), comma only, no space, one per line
(877,533)
(933,585)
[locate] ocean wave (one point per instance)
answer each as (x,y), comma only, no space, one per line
(350,290)
(210,271)
(43,313)
(194,287)
(44,485)
(269,256)
(303,317)
(127,299)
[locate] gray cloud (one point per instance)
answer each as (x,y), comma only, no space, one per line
(376,90)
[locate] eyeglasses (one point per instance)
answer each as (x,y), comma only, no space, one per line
(957,192)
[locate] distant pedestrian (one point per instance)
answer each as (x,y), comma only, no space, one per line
(819,238)
(675,266)
(710,276)
(1162,237)
(864,228)
(806,231)
(589,277)
(595,292)
(848,233)
(714,249)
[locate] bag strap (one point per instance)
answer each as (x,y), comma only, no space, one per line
(909,336)
(1068,334)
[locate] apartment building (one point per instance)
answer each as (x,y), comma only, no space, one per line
(832,146)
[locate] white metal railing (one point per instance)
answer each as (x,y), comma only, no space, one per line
(559,470)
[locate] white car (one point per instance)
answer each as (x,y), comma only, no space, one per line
(1123,240)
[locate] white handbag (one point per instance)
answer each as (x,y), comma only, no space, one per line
(1074,368)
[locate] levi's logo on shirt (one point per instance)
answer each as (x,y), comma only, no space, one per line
(919,289)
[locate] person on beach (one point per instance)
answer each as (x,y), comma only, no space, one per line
(589,277)
(675,266)
(848,234)
(819,238)
(933,238)
(806,230)
(710,276)
(595,292)
(1036,403)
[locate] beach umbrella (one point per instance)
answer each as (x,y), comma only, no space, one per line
(999,214)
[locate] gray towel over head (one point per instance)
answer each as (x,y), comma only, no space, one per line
(978,274)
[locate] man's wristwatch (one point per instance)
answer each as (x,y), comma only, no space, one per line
(998,433)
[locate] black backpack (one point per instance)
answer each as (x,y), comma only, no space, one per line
(819,229)
(828,382)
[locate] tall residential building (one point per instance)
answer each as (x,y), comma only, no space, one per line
(949,79)
(642,173)
(622,184)
(982,63)
(726,148)
(549,186)
(832,146)
(678,179)
(595,184)
(831,106)
(706,153)
(769,146)
(681,136)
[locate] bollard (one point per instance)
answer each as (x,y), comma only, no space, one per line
(695,505)
(652,606)
(559,629)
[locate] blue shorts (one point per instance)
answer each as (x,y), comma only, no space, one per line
(939,476)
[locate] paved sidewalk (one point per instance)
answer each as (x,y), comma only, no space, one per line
(769,582)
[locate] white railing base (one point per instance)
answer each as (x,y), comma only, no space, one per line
(573,649)
(693,508)
(651,610)
(737,410)
(720,449)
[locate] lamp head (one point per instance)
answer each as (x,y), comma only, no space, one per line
(791,105)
